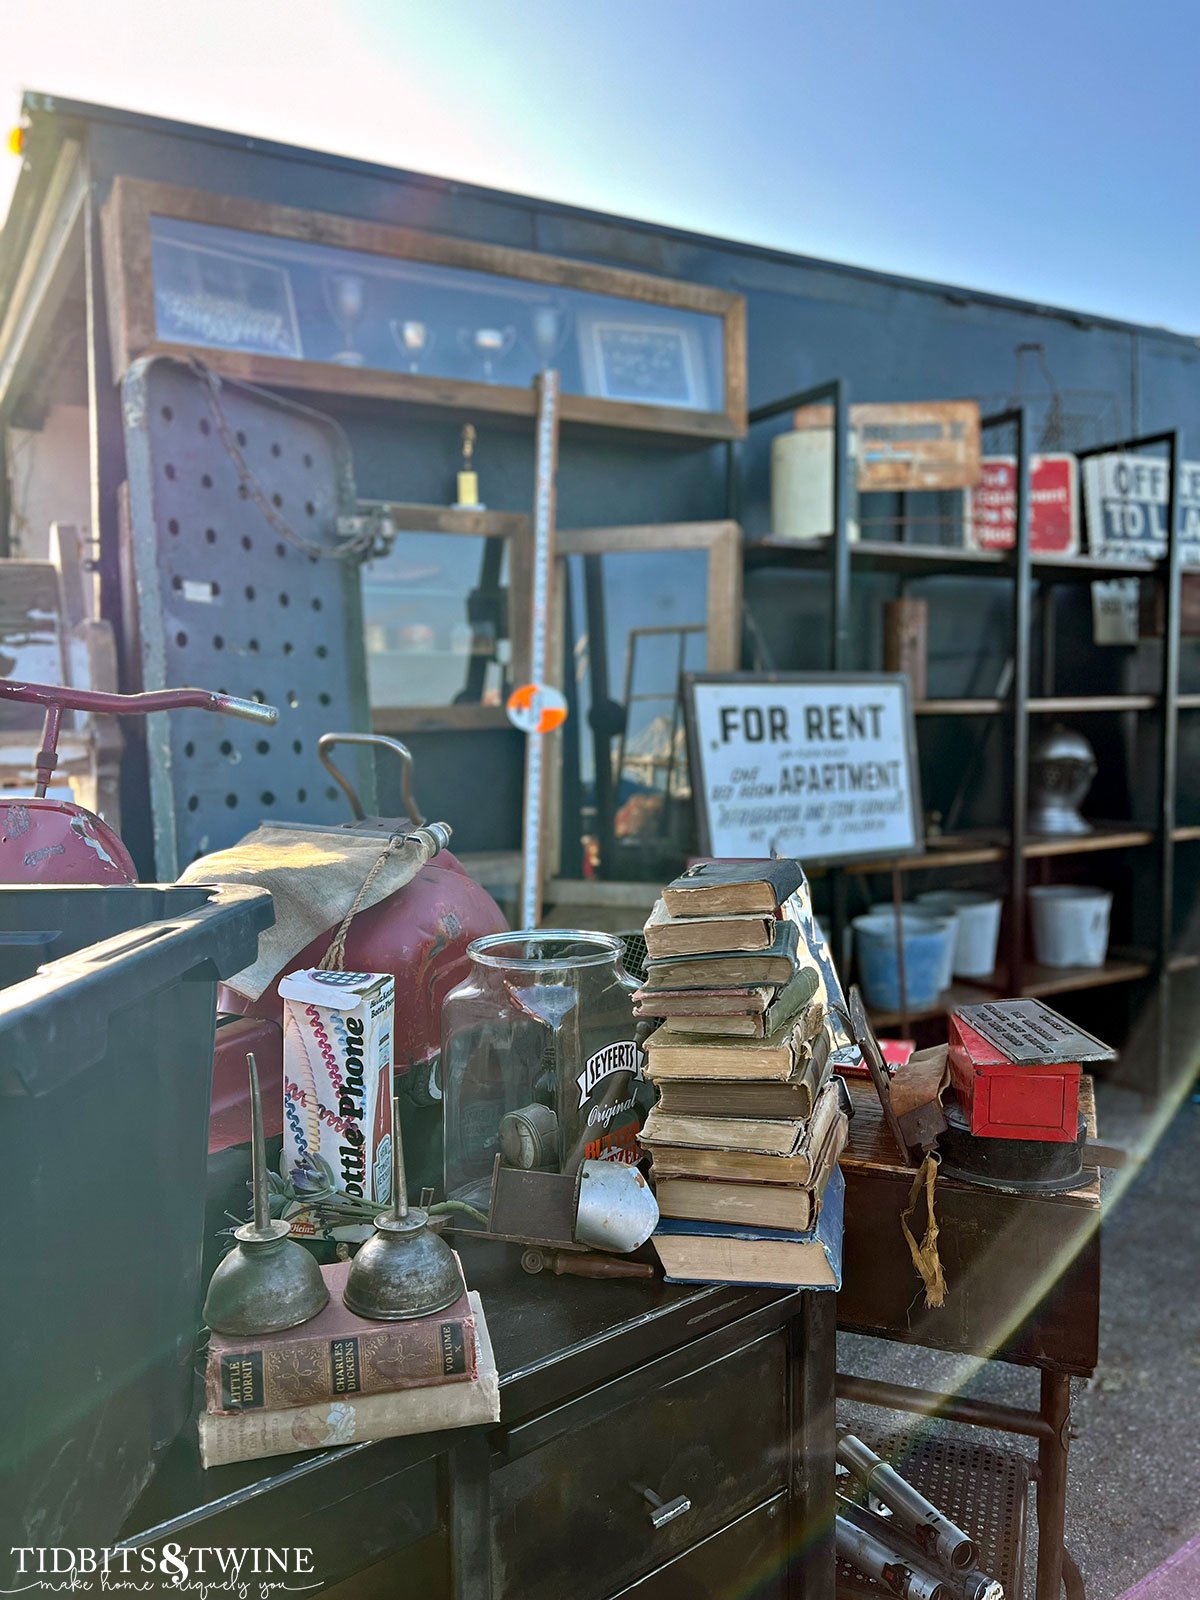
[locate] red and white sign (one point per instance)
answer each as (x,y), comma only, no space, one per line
(1053,514)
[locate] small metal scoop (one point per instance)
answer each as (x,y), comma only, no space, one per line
(406,1270)
(268,1281)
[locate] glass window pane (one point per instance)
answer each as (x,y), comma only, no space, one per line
(229,289)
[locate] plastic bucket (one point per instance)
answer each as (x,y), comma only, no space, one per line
(928,946)
(978,927)
(1070,924)
(913,913)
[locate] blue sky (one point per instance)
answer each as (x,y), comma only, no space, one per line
(1047,151)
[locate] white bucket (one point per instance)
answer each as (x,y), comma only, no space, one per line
(978,927)
(1070,924)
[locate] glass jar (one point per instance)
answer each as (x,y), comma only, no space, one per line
(539,1062)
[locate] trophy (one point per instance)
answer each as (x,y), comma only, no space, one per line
(489,344)
(468,478)
(346,298)
(548,325)
(414,340)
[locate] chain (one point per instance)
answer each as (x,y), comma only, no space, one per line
(358,546)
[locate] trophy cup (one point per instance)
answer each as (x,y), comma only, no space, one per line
(548,325)
(346,298)
(468,478)
(489,344)
(414,340)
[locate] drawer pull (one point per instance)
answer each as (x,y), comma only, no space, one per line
(663,1511)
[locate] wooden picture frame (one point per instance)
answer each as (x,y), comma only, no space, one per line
(129,276)
(511,526)
(721,541)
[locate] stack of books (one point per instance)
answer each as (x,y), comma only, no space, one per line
(339,1379)
(747,1132)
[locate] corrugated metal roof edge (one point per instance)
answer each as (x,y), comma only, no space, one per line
(38,106)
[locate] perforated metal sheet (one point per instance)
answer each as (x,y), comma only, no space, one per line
(225,602)
(984,1491)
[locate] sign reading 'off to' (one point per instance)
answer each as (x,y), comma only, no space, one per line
(818,767)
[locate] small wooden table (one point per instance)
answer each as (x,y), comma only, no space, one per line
(1023,1276)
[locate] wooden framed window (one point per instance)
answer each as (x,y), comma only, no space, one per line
(446,619)
(311,300)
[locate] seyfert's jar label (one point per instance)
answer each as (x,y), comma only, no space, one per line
(609,1116)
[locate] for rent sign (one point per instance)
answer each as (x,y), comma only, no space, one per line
(821,768)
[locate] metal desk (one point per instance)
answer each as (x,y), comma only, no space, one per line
(1024,1287)
(614,1395)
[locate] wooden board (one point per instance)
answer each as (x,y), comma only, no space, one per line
(129,278)
(926,444)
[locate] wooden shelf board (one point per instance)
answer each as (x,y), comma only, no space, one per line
(1082,844)
(987,848)
(1052,705)
(1035,981)
(887,555)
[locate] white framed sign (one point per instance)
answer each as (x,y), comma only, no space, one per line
(820,766)
(1125,497)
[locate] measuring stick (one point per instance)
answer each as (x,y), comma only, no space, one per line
(543,566)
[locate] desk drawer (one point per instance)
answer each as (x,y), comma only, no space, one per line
(571,1518)
(752,1551)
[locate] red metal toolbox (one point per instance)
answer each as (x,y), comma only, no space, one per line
(1016,1066)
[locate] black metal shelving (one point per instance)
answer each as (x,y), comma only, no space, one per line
(842,558)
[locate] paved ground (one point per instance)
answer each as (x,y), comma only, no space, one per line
(1135,1464)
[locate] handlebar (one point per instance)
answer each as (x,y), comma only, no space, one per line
(66,698)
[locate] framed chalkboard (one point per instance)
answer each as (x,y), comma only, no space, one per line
(821,766)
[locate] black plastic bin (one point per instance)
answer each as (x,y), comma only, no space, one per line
(107,1011)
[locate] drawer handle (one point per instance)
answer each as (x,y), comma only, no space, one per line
(663,1511)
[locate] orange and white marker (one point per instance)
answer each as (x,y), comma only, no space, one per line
(536,708)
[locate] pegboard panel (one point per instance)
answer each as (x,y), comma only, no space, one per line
(225,601)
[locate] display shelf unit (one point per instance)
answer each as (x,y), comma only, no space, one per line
(841,558)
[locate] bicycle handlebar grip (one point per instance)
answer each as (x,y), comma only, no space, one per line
(249,710)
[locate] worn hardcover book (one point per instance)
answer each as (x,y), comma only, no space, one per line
(743,1001)
(337,1353)
(767,1136)
(788,1003)
(778,1057)
(350,1419)
(721,1252)
(707,1097)
(796,1164)
(718,969)
(730,888)
(689,936)
(795,1206)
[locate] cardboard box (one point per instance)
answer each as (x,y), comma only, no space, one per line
(337,1076)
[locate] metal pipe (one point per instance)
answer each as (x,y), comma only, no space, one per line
(933,1531)
(1021,653)
(928,1403)
(399,1205)
(871,1556)
(1168,776)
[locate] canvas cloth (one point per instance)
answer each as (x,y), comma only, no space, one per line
(314,877)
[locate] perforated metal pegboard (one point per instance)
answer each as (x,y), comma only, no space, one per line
(984,1491)
(224,601)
